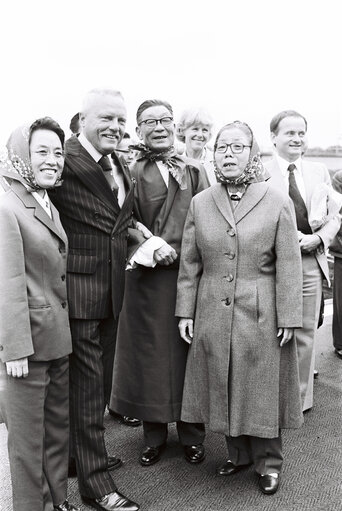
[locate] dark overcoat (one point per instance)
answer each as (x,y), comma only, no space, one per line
(240,279)
(150,357)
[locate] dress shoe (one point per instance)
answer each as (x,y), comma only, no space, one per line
(316,373)
(131,421)
(113,463)
(125,419)
(66,506)
(114,501)
(338,353)
(228,468)
(151,455)
(269,483)
(194,453)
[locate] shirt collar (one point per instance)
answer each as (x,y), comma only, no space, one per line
(94,153)
(284,164)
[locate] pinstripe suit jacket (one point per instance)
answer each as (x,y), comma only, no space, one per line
(97,231)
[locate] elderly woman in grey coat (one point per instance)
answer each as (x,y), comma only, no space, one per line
(239,300)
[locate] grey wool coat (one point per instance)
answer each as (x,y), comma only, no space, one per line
(240,279)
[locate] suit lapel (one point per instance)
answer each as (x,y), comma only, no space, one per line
(89,172)
(129,190)
(30,202)
(252,196)
(220,196)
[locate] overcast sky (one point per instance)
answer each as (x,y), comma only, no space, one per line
(243,60)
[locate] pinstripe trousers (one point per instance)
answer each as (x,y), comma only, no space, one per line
(91,368)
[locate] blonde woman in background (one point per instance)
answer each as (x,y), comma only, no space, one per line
(195,130)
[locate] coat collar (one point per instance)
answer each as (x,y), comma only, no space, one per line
(30,202)
(252,196)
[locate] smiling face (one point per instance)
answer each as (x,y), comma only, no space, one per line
(232,165)
(290,139)
(160,137)
(103,122)
(196,136)
(46,154)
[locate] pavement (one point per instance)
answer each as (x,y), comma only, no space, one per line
(311,478)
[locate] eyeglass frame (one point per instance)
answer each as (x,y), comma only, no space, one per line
(155,122)
(231,148)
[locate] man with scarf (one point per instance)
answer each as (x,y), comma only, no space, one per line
(150,356)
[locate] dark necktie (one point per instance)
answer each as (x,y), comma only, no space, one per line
(107,169)
(300,208)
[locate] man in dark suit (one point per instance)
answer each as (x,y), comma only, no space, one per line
(95,203)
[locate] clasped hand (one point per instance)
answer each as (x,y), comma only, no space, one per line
(309,242)
(17,368)
(165,255)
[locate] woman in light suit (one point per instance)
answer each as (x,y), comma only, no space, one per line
(35,339)
(239,300)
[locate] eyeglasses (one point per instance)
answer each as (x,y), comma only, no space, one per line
(126,151)
(235,148)
(152,123)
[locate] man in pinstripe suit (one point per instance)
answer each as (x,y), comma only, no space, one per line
(95,203)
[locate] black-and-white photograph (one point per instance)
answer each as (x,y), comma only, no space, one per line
(170,256)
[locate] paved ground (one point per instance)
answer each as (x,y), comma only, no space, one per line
(312,470)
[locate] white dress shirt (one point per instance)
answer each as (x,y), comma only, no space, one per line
(283,165)
(43,201)
(118,177)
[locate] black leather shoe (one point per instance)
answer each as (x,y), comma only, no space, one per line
(228,468)
(113,463)
(194,453)
(66,506)
(268,484)
(131,421)
(151,455)
(316,374)
(114,501)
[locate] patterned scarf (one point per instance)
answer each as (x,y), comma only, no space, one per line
(18,160)
(254,170)
(169,157)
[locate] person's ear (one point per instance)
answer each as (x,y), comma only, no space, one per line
(138,132)
(274,139)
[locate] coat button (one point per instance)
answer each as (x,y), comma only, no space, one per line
(226,302)
(230,255)
(63,277)
(229,277)
(63,304)
(231,232)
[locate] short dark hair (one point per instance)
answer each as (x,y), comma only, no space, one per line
(274,124)
(47,123)
(152,102)
(75,124)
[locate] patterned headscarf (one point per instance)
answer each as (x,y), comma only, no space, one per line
(254,170)
(18,159)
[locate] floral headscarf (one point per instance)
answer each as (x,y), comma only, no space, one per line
(254,170)
(18,159)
